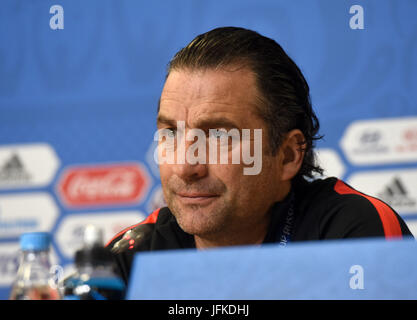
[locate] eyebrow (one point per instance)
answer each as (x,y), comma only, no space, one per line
(161,119)
(216,122)
(207,123)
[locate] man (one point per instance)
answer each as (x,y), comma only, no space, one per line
(235,79)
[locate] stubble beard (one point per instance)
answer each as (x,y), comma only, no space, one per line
(205,221)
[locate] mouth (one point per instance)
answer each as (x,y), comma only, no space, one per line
(197,198)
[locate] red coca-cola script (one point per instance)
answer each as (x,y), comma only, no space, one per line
(103,185)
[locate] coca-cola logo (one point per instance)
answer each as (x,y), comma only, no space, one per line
(408,144)
(410,134)
(103,185)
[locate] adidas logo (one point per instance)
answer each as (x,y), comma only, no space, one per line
(396,195)
(13,170)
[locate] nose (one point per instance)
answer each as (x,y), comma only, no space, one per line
(190,170)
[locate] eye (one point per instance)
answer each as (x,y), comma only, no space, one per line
(218,133)
(171,132)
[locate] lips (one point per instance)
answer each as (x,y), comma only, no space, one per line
(196,197)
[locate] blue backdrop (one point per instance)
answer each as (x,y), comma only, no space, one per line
(85,97)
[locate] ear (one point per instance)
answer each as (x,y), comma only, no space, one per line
(292,154)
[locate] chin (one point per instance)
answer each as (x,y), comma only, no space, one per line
(200,219)
(197,223)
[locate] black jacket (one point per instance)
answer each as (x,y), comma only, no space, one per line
(322,209)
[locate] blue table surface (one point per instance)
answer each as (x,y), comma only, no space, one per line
(348,269)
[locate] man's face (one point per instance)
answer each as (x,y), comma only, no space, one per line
(214,200)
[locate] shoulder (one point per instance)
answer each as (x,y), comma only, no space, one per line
(139,237)
(346,212)
(157,217)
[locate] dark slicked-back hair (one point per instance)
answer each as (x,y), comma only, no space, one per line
(284,101)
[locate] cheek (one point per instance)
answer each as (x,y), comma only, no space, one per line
(229,174)
(263,185)
(165,173)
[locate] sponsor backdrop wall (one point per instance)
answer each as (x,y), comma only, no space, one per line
(78,104)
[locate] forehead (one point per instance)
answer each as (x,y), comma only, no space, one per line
(190,95)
